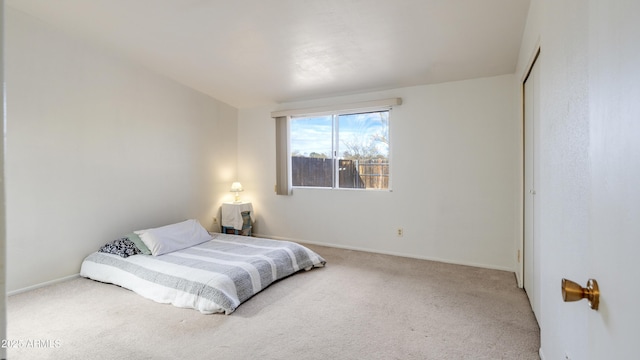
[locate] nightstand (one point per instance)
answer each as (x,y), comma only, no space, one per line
(237,217)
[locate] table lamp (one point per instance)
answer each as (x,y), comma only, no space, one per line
(236,187)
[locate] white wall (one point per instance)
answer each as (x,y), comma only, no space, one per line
(98,147)
(562,193)
(3,217)
(455,155)
(587,193)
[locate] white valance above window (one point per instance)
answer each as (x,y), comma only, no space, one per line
(362,106)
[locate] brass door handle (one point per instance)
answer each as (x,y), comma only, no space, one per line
(571,291)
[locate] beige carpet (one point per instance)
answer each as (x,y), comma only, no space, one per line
(360,306)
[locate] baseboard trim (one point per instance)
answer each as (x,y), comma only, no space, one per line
(519,280)
(393,253)
(339,246)
(47,283)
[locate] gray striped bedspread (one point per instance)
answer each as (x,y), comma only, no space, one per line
(215,276)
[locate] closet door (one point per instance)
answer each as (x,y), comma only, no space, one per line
(531,111)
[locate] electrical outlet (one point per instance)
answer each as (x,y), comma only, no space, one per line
(215,220)
(400,232)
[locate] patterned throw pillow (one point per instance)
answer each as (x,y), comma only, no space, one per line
(121,247)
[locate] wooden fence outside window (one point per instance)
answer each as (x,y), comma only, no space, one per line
(354,174)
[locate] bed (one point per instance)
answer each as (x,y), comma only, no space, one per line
(212,273)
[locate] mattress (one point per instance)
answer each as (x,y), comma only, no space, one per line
(215,276)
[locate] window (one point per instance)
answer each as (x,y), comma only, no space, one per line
(351,142)
(340,150)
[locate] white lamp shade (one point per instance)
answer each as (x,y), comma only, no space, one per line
(236,186)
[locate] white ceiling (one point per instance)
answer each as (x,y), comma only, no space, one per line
(251,52)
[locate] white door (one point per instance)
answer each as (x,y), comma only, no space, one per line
(531,111)
(614,246)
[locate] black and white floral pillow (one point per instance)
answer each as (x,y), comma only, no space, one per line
(121,247)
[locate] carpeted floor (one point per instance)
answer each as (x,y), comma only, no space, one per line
(360,306)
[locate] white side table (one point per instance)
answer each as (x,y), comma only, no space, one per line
(237,217)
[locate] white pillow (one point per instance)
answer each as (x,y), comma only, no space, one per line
(174,237)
